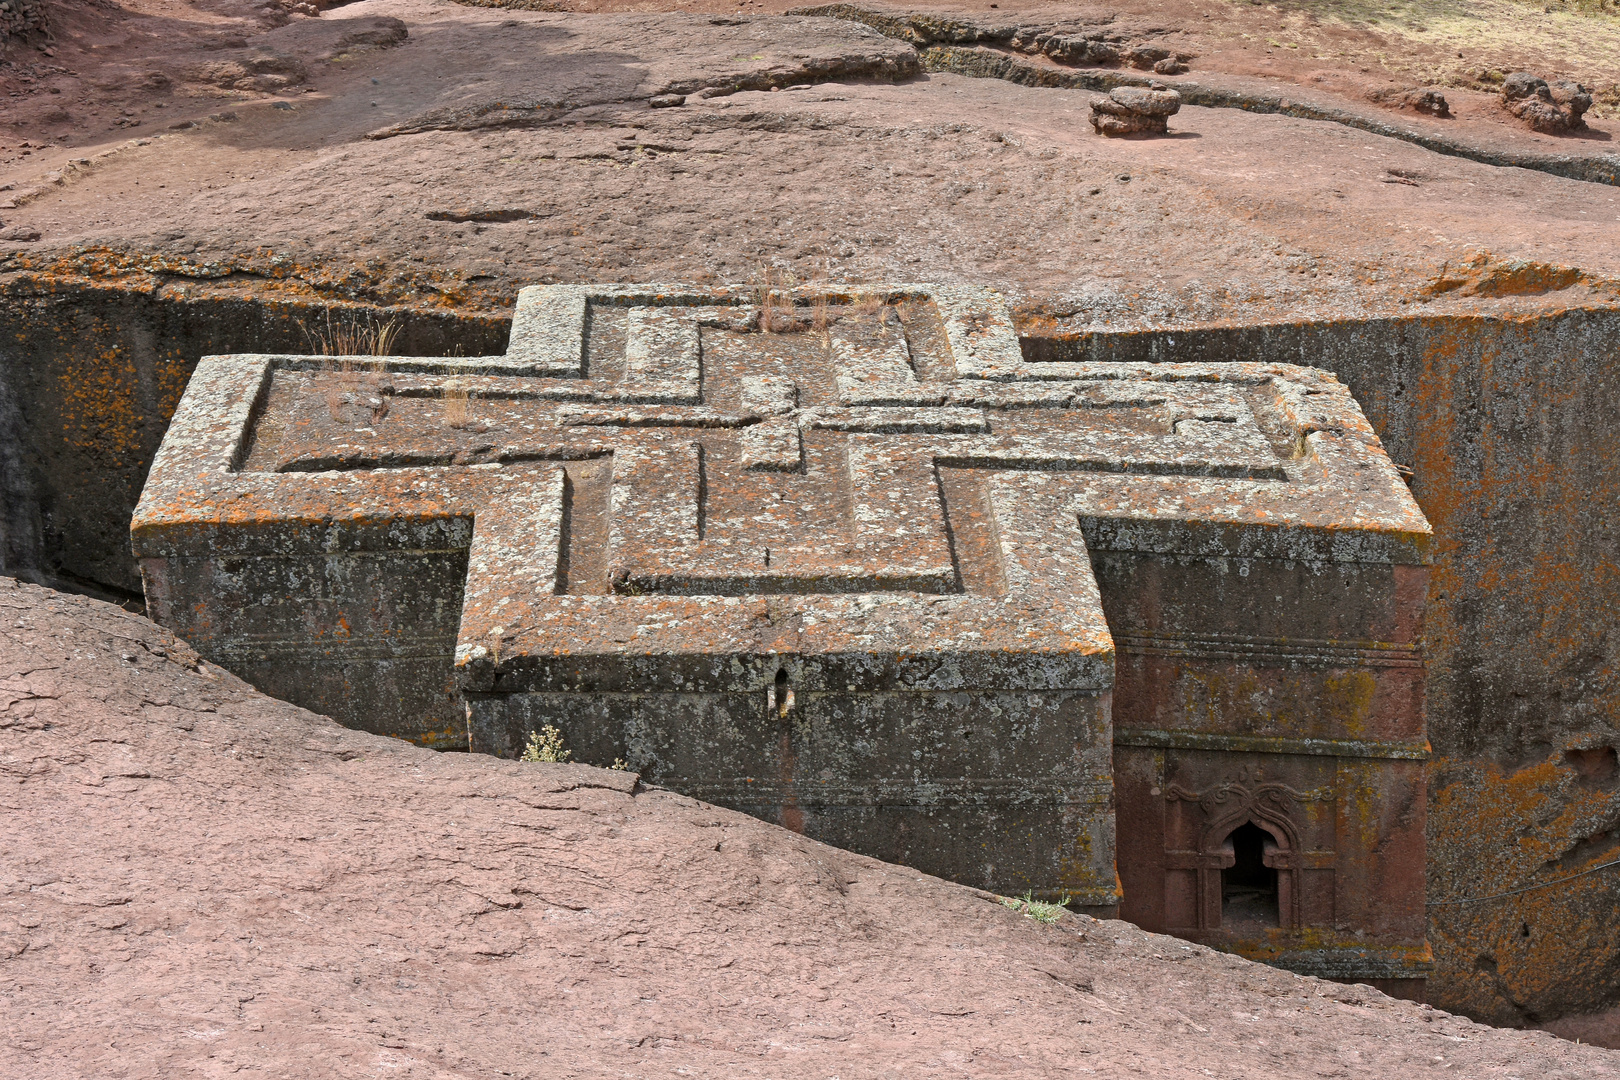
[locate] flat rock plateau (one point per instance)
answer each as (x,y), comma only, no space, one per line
(430,152)
(199,880)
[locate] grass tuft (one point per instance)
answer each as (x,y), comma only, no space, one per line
(777,307)
(1039,910)
(820,317)
(352,335)
(457,403)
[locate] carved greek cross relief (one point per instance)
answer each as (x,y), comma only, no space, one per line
(851,563)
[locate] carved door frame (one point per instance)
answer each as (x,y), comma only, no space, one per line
(1227,808)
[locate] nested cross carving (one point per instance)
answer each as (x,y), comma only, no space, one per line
(667,436)
(736,463)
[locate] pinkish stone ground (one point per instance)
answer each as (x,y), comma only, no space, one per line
(196,880)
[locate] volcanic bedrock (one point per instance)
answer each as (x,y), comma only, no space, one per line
(1141,635)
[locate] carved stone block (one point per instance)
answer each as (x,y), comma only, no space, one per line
(866,578)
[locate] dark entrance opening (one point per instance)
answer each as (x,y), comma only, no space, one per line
(1248,886)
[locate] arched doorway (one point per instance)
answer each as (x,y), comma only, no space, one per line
(1249,886)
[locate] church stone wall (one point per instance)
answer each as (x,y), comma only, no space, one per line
(1509,427)
(828,563)
(1509,422)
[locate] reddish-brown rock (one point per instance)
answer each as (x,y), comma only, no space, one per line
(1552,108)
(199,880)
(1135,110)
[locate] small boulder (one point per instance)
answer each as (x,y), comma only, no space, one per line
(1432,102)
(1551,108)
(1146,56)
(381,32)
(1572,96)
(1135,110)
(263,71)
(1418,98)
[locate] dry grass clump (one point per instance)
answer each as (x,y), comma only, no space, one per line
(342,339)
(820,304)
(819,317)
(782,302)
(867,304)
(778,311)
(457,403)
(352,335)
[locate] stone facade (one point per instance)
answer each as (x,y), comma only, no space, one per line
(854,565)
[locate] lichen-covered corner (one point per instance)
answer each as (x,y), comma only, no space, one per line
(1508,427)
(831,560)
(90,374)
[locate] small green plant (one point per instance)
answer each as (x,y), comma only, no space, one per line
(547,745)
(620,765)
(1038,910)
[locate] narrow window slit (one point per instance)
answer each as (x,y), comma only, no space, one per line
(779,699)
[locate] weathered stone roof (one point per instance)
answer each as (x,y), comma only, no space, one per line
(774,494)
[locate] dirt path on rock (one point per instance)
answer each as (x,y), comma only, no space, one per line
(198,880)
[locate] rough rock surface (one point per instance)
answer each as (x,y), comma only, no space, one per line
(1135,110)
(1418,99)
(1550,107)
(21,17)
(542,119)
(1091,38)
(195,878)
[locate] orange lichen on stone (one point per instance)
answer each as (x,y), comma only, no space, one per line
(263,273)
(1484,275)
(1530,954)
